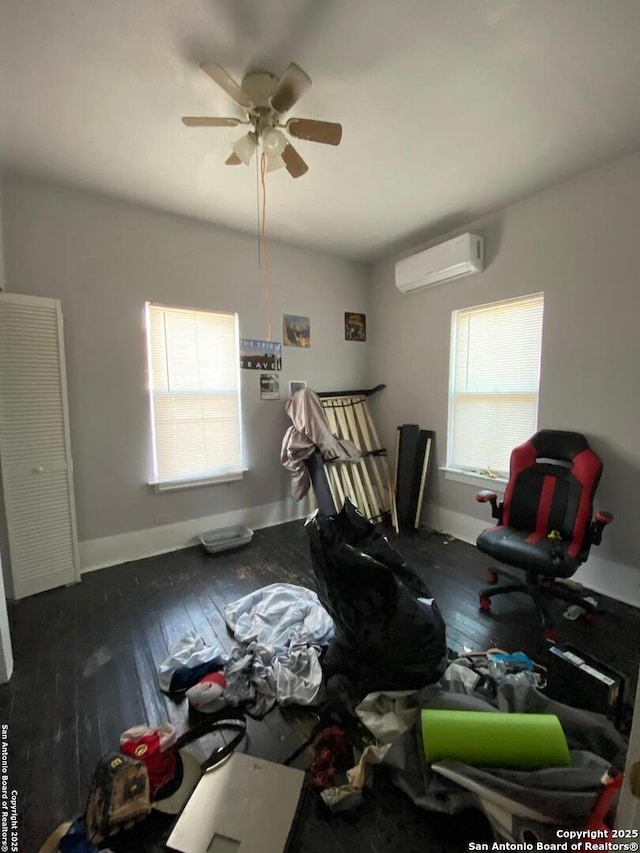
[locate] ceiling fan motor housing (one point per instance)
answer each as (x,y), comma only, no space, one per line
(259,85)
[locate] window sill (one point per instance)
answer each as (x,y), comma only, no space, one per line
(175,485)
(469,478)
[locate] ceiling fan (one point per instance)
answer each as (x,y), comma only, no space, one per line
(265,99)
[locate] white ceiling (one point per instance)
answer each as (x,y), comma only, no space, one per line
(450,108)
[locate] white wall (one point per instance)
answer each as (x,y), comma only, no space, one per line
(2,267)
(103,258)
(577,242)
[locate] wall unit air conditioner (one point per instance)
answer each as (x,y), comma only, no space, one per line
(454,258)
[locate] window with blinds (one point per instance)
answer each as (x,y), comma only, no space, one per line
(194,391)
(494,379)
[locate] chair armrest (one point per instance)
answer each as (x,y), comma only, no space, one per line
(601,519)
(486,495)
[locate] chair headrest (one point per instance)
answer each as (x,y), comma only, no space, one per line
(558,444)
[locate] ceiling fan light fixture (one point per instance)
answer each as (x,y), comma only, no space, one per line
(265,99)
(245,147)
(273,162)
(273,141)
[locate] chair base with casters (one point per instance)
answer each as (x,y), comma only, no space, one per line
(545,524)
(537,588)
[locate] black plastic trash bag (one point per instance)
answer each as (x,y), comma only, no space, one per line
(390,634)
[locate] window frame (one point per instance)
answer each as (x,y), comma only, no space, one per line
(206,478)
(478,475)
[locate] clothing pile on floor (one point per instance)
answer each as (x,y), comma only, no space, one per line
(280,631)
(518,800)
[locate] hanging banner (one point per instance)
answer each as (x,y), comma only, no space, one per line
(260,355)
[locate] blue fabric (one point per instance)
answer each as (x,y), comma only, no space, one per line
(75,841)
(186,676)
(185,660)
(519,658)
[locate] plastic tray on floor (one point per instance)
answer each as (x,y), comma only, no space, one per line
(226,538)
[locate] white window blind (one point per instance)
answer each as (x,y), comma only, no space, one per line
(194,389)
(494,379)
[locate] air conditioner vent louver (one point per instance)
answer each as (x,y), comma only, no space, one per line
(460,256)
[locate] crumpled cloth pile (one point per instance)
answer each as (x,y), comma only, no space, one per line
(280,631)
(539,800)
(189,660)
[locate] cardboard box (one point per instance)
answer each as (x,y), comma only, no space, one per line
(244,804)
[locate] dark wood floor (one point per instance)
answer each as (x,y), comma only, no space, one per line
(86,662)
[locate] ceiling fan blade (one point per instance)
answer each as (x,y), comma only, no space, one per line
(328,132)
(289,88)
(214,121)
(233,160)
(220,76)
(293,161)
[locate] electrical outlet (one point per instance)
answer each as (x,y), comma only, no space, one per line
(162,519)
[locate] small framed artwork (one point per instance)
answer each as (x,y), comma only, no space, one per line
(296,385)
(269,386)
(355,326)
(296,331)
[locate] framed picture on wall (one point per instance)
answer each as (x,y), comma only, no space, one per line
(355,326)
(296,385)
(269,386)
(296,331)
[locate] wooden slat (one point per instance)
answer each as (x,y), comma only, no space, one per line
(374,501)
(385,465)
(354,468)
(359,408)
(335,485)
(424,445)
(341,470)
(337,492)
(368,485)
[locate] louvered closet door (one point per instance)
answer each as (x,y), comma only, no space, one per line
(35,453)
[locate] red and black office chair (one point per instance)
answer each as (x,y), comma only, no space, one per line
(546,525)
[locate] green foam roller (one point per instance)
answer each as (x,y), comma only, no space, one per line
(494,739)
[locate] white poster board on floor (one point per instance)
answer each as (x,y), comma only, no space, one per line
(244,804)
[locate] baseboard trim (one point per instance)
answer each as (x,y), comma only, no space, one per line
(138,544)
(602,576)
